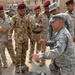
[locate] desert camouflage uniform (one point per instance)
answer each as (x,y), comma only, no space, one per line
(36,36)
(44,20)
(22,30)
(62,55)
(72,14)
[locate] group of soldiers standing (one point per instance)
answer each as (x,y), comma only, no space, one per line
(35,27)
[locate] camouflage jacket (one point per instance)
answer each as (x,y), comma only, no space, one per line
(63,52)
(4,24)
(72,14)
(34,22)
(44,20)
(21,27)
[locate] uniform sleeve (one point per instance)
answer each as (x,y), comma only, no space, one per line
(29,30)
(70,24)
(57,50)
(49,35)
(39,19)
(11,28)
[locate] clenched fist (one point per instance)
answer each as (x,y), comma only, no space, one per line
(42,42)
(35,57)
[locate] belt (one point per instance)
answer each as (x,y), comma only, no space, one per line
(36,32)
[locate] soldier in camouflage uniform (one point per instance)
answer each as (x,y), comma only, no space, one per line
(43,19)
(63,52)
(4,40)
(71,11)
(9,45)
(54,9)
(36,31)
(30,13)
(22,30)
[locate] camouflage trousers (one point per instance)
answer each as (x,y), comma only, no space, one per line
(44,36)
(0,67)
(20,49)
(66,70)
(38,46)
(9,47)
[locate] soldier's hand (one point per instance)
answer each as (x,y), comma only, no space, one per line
(2,30)
(35,57)
(42,42)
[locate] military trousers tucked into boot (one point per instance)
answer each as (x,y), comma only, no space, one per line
(20,49)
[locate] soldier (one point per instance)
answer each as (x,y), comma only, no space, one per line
(63,52)
(71,11)
(22,30)
(9,45)
(4,40)
(43,19)
(30,13)
(36,29)
(54,9)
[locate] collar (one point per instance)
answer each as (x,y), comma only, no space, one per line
(73,12)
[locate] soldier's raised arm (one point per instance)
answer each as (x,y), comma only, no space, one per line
(57,50)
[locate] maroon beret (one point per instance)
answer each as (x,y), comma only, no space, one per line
(69,2)
(21,6)
(37,7)
(46,3)
(1,7)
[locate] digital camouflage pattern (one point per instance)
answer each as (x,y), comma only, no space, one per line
(62,54)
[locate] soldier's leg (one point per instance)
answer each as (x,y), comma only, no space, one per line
(18,49)
(9,46)
(2,51)
(43,36)
(68,70)
(42,62)
(23,54)
(31,51)
(53,70)
(38,45)
(0,67)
